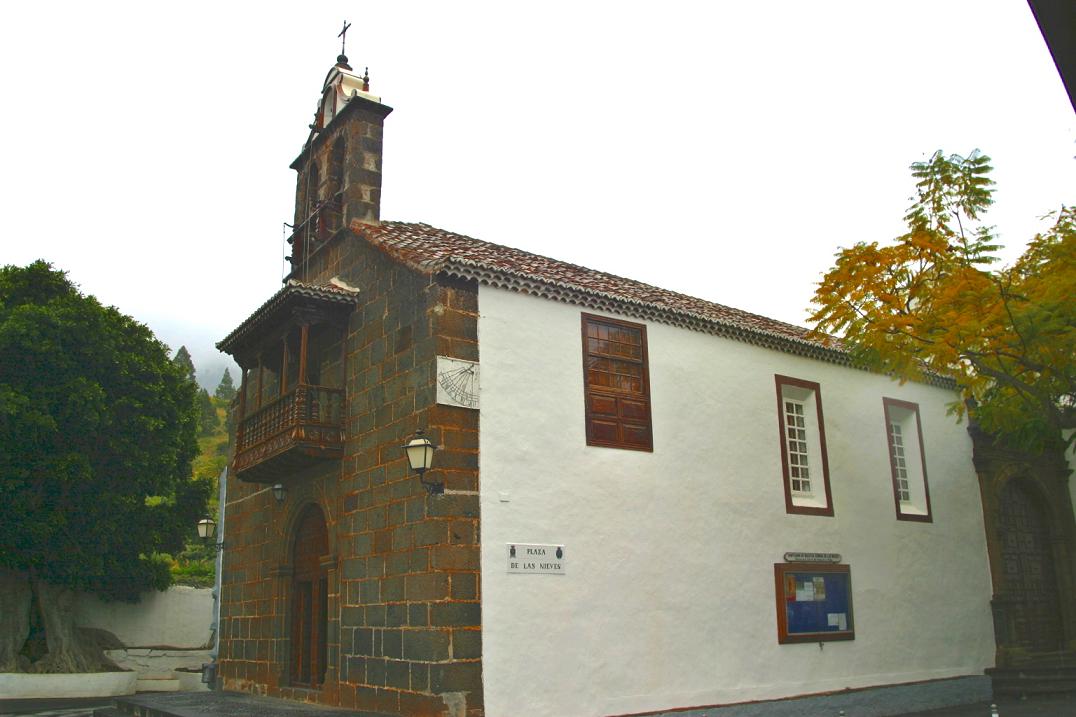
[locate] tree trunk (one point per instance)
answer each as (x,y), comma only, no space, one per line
(68,651)
(14,618)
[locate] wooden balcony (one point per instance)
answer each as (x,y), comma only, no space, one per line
(297,430)
(291,402)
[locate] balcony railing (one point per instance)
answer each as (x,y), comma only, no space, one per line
(294,431)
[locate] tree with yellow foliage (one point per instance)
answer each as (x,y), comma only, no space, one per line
(932,302)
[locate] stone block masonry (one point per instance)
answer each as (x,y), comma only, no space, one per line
(403,594)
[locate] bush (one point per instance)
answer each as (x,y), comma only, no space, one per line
(194,567)
(194,573)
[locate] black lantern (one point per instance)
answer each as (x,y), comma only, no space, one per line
(207,530)
(280,492)
(419,451)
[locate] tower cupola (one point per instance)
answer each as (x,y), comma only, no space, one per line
(340,86)
(339,168)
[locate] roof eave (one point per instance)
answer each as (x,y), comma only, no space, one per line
(498,278)
(267,316)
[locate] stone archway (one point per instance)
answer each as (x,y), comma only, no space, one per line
(1029,574)
(1031,541)
(308,622)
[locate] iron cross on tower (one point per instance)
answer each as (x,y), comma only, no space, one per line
(343,36)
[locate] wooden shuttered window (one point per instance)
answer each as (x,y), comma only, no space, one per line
(617,384)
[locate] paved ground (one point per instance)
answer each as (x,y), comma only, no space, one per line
(231,704)
(1058,706)
(53,708)
(182,704)
(51,713)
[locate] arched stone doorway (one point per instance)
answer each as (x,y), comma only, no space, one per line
(308,624)
(1029,574)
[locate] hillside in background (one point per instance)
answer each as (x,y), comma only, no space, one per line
(200,341)
(195,565)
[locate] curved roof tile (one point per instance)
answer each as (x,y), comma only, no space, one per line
(429,249)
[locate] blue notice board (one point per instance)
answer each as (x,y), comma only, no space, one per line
(814,602)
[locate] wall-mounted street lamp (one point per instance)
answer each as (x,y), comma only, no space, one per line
(207,530)
(280,492)
(419,451)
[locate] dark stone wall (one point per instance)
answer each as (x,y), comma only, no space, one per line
(344,162)
(1046,477)
(404,587)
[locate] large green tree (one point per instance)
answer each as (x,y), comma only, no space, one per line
(226,388)
(185,363)
(207,413)
(933,301)
(97,432)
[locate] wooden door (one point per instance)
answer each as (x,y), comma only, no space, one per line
(309,600)
(1030,582)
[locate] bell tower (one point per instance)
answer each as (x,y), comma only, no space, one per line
(339,167)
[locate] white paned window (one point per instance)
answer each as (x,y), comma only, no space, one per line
(804,464)
(900,467)
(799,462)
(907,460)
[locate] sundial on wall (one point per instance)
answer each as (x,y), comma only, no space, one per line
(457,382)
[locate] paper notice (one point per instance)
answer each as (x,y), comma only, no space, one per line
(805,592)
(819,588)
(842,621)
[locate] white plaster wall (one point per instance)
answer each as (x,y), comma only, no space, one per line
(178,617)
(153,661)
(19,686)
(668,600)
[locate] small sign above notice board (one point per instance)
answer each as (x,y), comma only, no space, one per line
(793,557)
(814,602)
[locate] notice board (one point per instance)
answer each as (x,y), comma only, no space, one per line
(814,602)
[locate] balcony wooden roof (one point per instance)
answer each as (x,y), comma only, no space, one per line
(281,309)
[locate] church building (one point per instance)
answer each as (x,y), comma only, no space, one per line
(639,502)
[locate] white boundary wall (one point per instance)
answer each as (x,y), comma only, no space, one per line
(19,686)
(178,617)
(668,600)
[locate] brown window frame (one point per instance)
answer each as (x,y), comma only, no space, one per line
(887,403)
(790,506)
(784,637)
(602,392)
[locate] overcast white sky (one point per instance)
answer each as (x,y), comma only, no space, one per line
(725,150)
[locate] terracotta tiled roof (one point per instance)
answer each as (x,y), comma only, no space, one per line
(293,293)
(432,250)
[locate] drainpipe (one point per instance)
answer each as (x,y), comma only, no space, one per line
(209,671)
